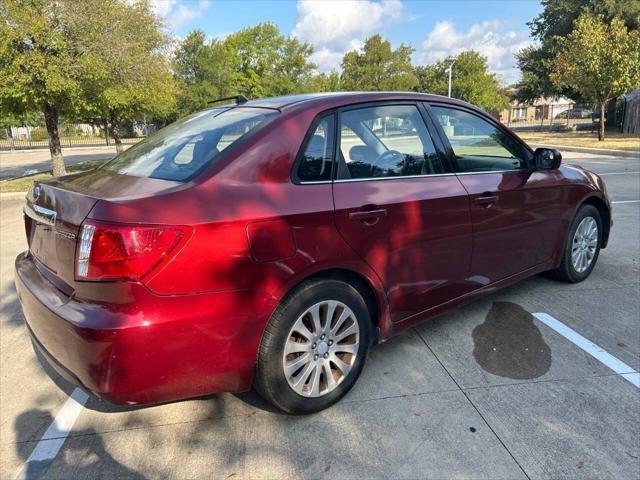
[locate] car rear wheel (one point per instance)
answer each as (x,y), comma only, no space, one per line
(582,246)
(314,347)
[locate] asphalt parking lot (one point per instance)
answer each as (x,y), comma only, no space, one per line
(485,391)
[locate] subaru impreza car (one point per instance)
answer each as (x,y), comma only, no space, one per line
(270,243)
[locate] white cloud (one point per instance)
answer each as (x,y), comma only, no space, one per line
(493,39)
(163,7)
(333,28)
(177,13)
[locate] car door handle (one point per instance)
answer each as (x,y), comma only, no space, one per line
(368,217)
(485,200)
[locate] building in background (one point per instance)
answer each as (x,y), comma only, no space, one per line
(542,111)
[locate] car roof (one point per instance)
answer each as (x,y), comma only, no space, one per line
(345,98)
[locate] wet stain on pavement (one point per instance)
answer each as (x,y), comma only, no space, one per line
(509,344)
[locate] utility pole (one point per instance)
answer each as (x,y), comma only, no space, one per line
(450,70)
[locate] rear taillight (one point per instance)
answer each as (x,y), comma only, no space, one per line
(109,251)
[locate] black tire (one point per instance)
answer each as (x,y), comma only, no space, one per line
(566,272)
(270,380)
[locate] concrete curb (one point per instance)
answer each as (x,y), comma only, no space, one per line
(596,151)
(12,196)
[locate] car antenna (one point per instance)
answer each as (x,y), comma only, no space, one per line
(240,99)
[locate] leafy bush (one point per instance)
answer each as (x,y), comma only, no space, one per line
(39,135)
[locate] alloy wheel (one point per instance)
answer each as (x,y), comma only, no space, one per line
(585,244)
(321,348)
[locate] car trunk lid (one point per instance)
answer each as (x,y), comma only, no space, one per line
(55,209)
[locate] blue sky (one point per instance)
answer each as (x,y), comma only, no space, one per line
(436,29)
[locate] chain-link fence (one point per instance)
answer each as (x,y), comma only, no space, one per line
(71,135)
(550,116)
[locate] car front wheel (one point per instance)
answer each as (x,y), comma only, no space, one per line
(582,246)
(314,346)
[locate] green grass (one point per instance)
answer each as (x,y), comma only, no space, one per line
(23,184)
(612,140)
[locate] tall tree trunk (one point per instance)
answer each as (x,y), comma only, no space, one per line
(10,138)
(51,121)
(115,132)
(601,107)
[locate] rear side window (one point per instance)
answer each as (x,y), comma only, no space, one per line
(186,147)
(316,158)
(386,141)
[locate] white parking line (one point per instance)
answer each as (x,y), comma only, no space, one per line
(53,438)
(618,366)
(617,173)
(626,201)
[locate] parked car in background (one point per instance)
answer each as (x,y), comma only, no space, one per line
(272,242)
(575,113)
(595,117)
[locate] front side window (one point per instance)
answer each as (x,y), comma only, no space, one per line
(316,159)
(184,148)
(478,145)
(386,141)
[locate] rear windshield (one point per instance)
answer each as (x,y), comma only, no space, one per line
(184,148)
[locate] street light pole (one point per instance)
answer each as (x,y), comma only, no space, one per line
(450,70)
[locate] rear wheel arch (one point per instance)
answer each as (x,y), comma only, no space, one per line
(370,294)
(364,288)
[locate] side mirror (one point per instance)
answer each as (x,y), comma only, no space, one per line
(547,159)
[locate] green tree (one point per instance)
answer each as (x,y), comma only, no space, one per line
(266,63)
(324,82)
(294,70)
(534,63)
(41,68)
(129,76)
(556,21)
(254,53)
(378,67)
(257,61)
(203,71)
(599,59)
(91,59)
(471,81)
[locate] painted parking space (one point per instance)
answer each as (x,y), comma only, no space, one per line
(597,352)
(53,438)
(485,391)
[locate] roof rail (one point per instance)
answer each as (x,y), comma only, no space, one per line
(240,99)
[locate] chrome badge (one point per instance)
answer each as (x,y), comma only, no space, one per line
(62,233)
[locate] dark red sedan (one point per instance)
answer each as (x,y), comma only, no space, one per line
(271,242)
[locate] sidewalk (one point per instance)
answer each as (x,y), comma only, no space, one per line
(17,163)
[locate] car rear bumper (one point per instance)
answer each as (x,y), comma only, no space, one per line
(145,348)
